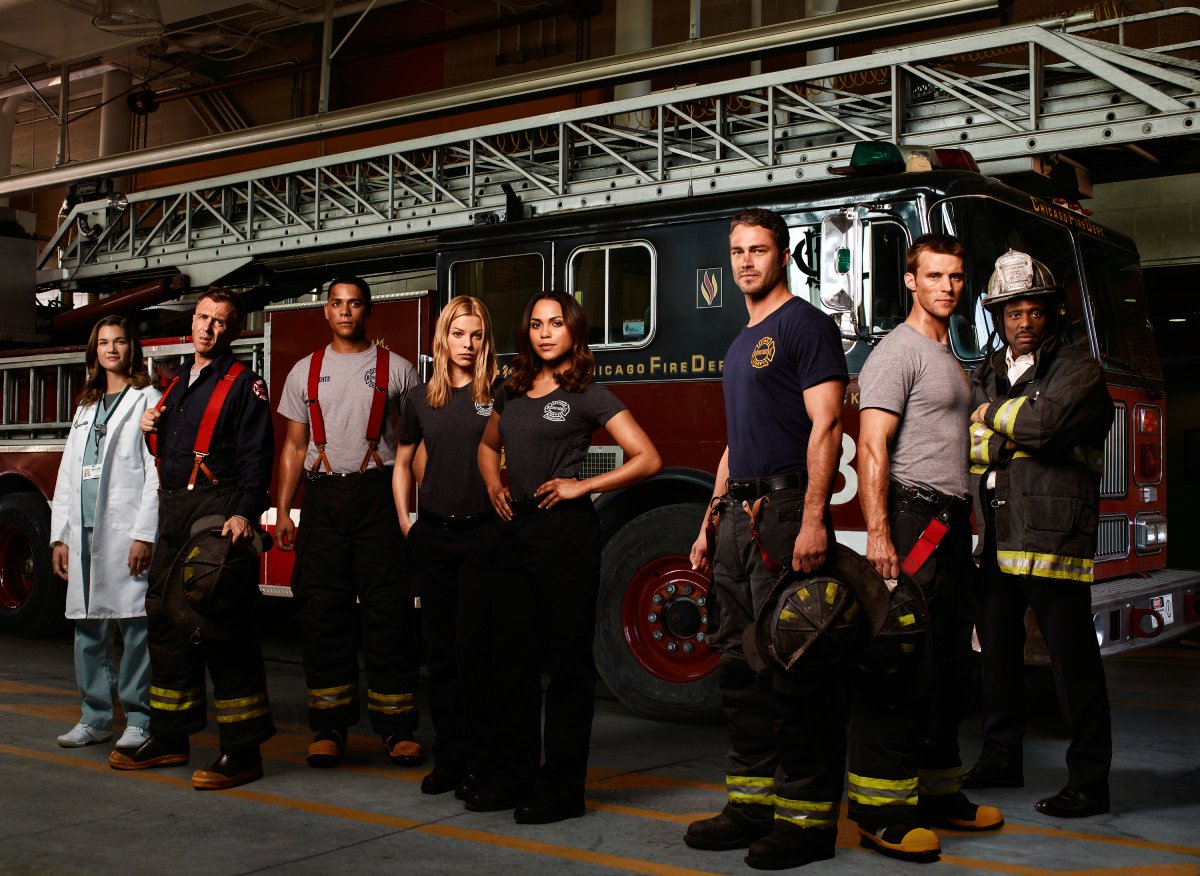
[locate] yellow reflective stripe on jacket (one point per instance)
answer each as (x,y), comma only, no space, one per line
(242,709)
(331,697)
(390,704)
(883,792)
(806,813)
(1006,415)
(979,470)
(166,700)
(980,455)
(1045,565)
(755,790)
(936,783)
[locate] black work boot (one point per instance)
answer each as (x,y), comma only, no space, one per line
(736,827)
(789,846)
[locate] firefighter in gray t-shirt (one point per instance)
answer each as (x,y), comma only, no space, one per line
(342,406)
(905,769)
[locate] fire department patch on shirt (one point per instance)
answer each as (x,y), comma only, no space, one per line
(764,352)
(369,377)
(556,411)
(260,389)
(484,410)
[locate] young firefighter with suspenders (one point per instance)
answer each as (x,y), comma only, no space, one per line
(211,433)
(905,770)
(341,403)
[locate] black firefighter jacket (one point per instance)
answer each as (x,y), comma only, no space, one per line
(1044,439)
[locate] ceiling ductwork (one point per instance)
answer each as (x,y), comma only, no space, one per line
(129,17)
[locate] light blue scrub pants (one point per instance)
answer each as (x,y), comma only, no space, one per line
(94,663)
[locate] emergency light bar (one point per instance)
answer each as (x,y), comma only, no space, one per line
(881,157)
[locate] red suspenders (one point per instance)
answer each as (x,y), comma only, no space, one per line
(208,423)
(374,421)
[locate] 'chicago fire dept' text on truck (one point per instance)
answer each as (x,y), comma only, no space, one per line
(656,285)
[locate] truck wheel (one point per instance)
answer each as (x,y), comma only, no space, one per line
(31,600)
(651,619)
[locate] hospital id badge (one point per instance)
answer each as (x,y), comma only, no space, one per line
(91,472)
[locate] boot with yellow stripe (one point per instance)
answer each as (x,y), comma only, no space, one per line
(906,842)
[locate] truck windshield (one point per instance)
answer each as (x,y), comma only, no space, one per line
(1123,331)
(987,229)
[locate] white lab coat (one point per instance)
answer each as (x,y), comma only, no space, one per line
(126,509)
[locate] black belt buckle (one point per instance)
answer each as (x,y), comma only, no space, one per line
(457,522)
(750,489)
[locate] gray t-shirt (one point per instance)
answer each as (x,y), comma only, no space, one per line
(452,485)
(346,390)
(921,381)
(548,437)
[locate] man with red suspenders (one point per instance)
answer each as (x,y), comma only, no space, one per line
(905,769)
(341,404)
(212,436)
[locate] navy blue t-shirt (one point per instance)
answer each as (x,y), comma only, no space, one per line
(767,369)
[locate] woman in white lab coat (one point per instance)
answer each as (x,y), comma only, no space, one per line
(102,529)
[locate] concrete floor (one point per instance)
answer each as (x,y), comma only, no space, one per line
(65,812)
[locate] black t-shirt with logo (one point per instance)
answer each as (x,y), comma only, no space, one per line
(767,369)
(452,485)
(548,437)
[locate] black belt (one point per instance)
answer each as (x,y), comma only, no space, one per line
(457,522)
(525,507)
(750,489)
(347,475)
(943,505)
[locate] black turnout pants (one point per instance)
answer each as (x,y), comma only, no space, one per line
(177,699)
(456,581)
(547,577)
(787,737)
(1064,615)
(904,726)
(349,545)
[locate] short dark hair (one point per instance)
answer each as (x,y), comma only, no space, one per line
(767,219)
(351,280)
(223,296)
(940,244)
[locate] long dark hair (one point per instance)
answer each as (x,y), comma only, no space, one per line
(580,365)
(96,384)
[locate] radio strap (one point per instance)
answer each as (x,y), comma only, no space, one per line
(208,422)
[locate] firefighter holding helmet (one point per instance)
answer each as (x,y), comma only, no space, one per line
(1041,415)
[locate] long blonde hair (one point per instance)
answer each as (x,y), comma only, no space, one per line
(439,388)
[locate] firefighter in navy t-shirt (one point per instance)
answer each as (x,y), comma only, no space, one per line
(785,379)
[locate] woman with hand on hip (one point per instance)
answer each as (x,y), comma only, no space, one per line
(102,527)
(548,568)
(453,542)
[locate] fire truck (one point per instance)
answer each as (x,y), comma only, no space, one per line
(626,206)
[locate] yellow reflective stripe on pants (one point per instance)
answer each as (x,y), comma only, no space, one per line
(937,783)
(167,700)
(1045,565)
(331,697)
(883,792)
(242,709)
(390,704)
(979,444)
(752,790)
(807,813)
(1006,415)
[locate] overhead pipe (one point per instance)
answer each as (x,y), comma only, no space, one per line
(285,10)
(840,25)
(137,298)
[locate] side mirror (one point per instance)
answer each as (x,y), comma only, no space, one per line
(841,261)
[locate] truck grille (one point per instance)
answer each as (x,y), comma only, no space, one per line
(601,459)
(1116,458)
(1112,537)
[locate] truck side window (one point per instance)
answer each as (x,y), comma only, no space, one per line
(615,285)
(504,284)
(1123,330)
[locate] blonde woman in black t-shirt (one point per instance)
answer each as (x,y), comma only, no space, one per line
(453,542)
(548,566)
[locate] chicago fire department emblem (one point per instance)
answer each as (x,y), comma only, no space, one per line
(484,410)
(556,411)
(260,389)
(708,288)
(764,352)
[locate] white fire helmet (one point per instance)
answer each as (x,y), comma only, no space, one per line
(1017,275)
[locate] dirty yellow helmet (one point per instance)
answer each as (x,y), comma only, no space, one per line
(1017,275)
